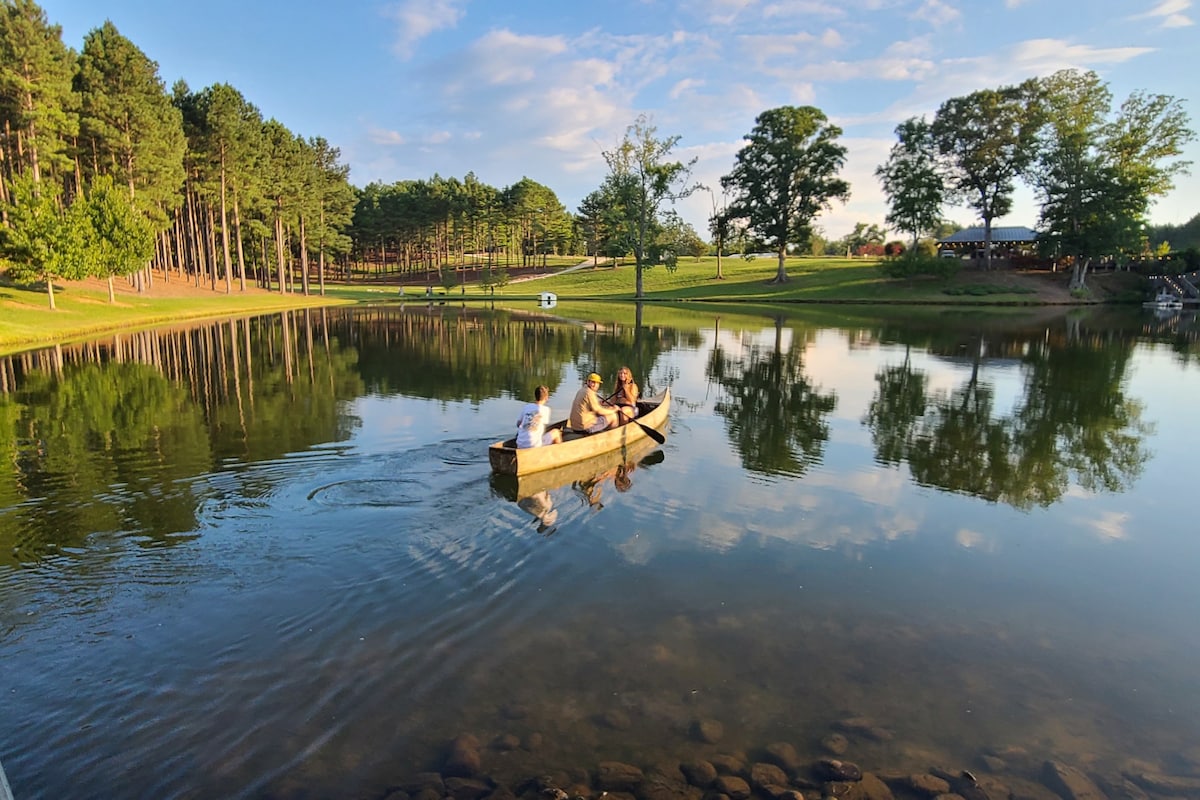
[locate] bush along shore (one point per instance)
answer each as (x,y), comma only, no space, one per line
(491,770)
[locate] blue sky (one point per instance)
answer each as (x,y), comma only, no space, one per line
(539,88)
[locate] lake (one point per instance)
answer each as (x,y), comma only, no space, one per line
(265,557)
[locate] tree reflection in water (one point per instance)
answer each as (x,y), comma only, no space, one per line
(777,420)
(1073,422)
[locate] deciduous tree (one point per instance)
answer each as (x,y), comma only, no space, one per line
(1097,173)
(784,176)
(912,181)
(986,140)
(644,176)
(42,242)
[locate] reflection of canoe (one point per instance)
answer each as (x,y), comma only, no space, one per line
(508,460)
(515,487)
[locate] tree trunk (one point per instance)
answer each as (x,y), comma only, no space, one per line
(1079,273)
(987,243)
(303,257)
(225,232)
(279,252)
(237,231)
(112,293)
(210,239)
(781,275)
(321,255)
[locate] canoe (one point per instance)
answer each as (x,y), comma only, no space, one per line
(506,459)
(518,487)
(5,790)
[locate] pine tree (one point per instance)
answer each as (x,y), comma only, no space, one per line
(36,103)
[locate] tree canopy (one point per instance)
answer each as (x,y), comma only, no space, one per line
(912,181)
(785,175)
(641,178)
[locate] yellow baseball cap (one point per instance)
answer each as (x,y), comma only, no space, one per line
(594,377)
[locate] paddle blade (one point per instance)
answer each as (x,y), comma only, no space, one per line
(653,434)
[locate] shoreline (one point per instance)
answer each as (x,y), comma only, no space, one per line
(27,321)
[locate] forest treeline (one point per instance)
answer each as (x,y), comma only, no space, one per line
(105,172)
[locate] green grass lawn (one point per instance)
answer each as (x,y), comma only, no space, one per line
(26,318)
(844,280)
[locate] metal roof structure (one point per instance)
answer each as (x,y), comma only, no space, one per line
(1008,235)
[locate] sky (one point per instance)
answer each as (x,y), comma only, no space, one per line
(540,88)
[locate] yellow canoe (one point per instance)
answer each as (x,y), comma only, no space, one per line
(506,459)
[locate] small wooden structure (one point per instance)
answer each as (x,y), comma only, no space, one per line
(507,459)
(1005,240)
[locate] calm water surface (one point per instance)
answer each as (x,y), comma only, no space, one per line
(265,558)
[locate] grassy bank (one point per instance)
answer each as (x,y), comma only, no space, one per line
(84,310)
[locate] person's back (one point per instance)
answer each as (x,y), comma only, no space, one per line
(531,424)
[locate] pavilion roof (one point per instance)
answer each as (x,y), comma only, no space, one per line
(1000,235)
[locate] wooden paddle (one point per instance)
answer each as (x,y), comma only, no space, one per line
(653,434)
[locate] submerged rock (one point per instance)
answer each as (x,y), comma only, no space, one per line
(464,760)
(835,744)
(785,755)
(831,769)
(763,774)
(615,776)
(728,765)
(708,731)
(699,773)
(1167,784)
(866,727)
(1070,782)
(736,788)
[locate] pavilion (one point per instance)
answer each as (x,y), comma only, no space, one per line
(1009,240)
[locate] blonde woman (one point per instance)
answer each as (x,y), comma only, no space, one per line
(625,395)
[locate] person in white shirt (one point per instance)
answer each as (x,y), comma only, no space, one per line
(535,416)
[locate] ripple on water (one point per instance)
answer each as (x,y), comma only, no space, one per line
(464,452)
(371,492)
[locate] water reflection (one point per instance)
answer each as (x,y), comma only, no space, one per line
(274,545)
(541,493)
(776,418)
(1073,424)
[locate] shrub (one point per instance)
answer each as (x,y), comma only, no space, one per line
(912,264)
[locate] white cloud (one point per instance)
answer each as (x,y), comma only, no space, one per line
(937,13)
(832,39)
(684,87)
(1171,12)
(417,19)
(969,539)
(797,9)
(884,68)
(385,137)
(723,12)
(1111,525)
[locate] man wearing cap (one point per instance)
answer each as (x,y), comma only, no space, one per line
(589,414)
